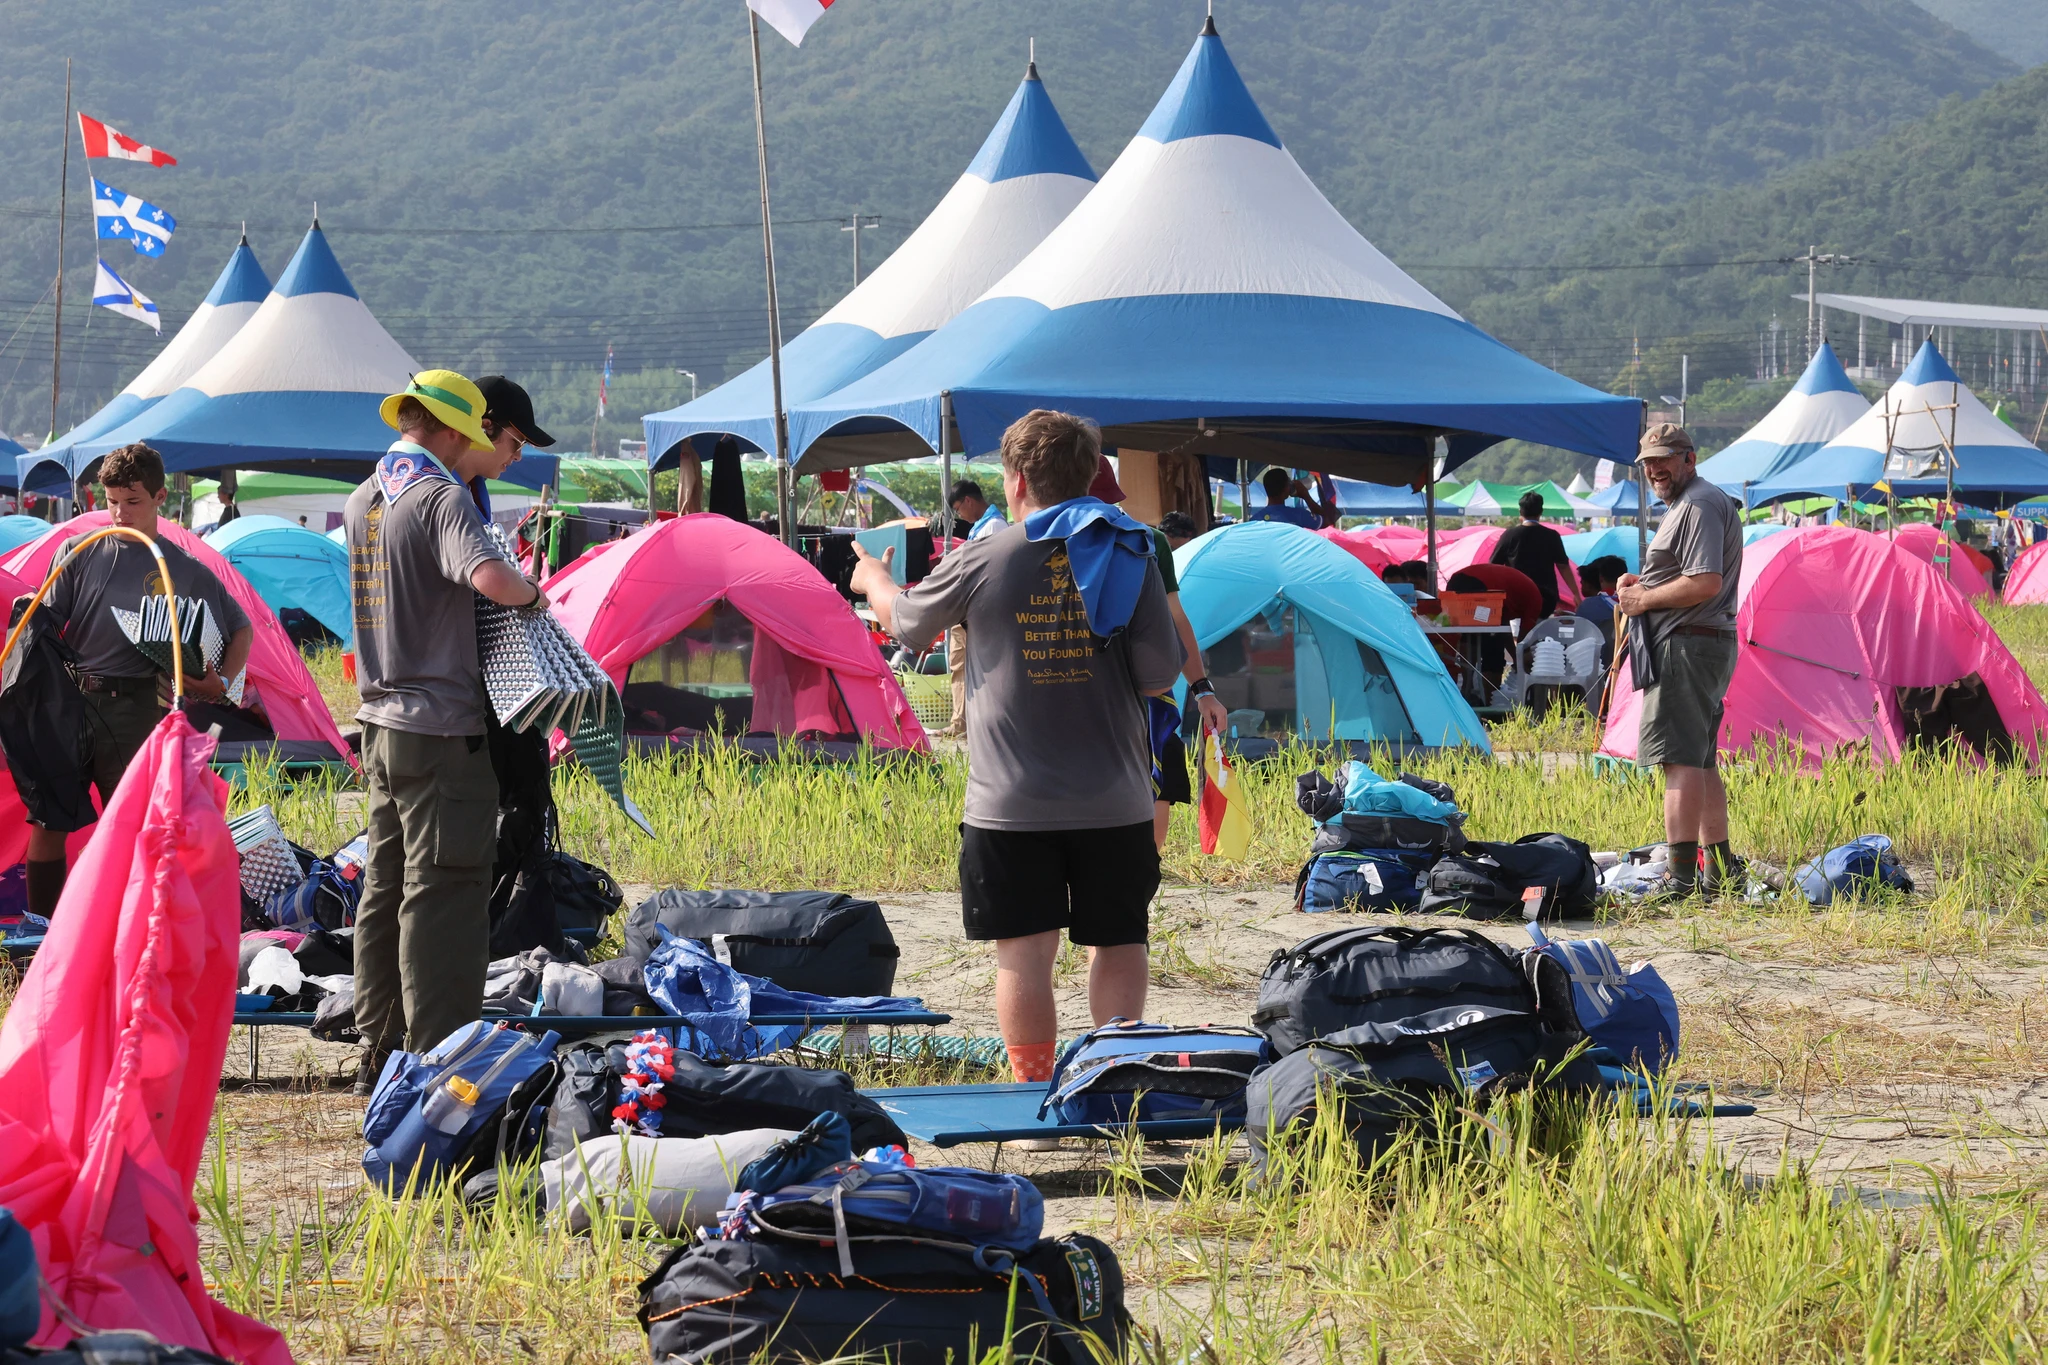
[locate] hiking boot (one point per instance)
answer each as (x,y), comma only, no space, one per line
(368,1070)
(1667,890)
(1717,874)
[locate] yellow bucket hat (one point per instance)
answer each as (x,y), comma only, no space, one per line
(457,402)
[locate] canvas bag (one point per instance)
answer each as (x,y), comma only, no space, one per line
(823,942)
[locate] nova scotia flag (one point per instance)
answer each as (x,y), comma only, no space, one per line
(124,218)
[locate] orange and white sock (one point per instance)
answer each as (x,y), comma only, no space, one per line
(1033,1061)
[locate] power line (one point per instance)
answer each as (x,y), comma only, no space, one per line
(353,230)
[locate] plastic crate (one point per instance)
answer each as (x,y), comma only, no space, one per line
(1475,608)
(931,698)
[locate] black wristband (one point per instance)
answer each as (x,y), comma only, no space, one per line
(1201,687)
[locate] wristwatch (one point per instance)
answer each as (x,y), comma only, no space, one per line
(1201,687)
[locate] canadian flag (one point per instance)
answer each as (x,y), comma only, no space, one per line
(791,18)
(100,140)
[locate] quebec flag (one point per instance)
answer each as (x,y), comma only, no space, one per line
(112,292)
(122,217)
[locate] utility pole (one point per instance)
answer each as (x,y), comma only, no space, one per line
(862,222)
(63,189)
(690,375)
(1814,259)
(1684,385)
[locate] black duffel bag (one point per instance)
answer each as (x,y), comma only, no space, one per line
(1387,1074)
(922,1303)
(1488,881)
(703,1099)
(1347,977)
(824,942)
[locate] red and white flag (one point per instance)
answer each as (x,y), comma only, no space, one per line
(100,140)
(791,18)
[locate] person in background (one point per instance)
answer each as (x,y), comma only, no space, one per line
(302,518)
(418,556)
(1178,528)
(123,689)
(982,520)
(1682,610)
(1536,550)
(1171,780)
(1068,632)
(228,510)
(1280,486)
(1598,582)
(1522,609)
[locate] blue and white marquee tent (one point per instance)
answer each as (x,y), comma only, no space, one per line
(1901,441)
(297,388)
(1362,670)
(228,306)
(1206,296)
(1028,175)
(1820,407)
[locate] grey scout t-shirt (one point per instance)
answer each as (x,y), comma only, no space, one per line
(1056,728)
(1701,534)
(117,572)
(415,612)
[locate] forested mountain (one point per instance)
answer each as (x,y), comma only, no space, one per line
(517,184)
(2016,28)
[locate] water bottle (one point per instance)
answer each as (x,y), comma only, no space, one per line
(449,1107)
(350,860)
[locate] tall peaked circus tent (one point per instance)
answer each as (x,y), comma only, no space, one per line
(1028,176)
(110,1061)
(296,388)
(1296,629)
(1206,297)
(1900,441)
(227,308)
(1845,639)
(283,689)
(1820,407)
(708,626)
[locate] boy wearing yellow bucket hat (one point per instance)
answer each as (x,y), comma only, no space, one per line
(417,551)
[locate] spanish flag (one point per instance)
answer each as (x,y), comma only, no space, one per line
(1226,829)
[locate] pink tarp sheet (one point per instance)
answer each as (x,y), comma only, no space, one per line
(1474,544)
(632,598)
(1919,538)
(2026,582)
(110,1061)
(1831,621)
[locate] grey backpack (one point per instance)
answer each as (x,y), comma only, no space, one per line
(1348,977)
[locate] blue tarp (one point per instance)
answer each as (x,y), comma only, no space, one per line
(290,566)
(1235,573)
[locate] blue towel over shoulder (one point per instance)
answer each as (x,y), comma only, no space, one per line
(1108,550)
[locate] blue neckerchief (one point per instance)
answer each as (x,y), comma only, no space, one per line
(480,492)
(1108,553)
(406,466)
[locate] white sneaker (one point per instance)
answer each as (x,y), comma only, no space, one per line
(1044,1144)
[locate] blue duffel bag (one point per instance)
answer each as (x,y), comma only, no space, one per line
(1367,879)
(1132,1070)
(428,1112)
(1632,1013)
(1855,866)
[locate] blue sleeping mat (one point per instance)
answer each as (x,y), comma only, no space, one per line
(582,1026)
(948,1115)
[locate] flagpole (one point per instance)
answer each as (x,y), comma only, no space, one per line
(783,496)
(63,191)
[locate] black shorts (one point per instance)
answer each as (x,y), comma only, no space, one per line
(1173,773)
(1097,884)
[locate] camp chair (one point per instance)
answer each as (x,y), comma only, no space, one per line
(1541,675)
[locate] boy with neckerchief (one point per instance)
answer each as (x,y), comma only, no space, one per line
(124,691)
(417,557)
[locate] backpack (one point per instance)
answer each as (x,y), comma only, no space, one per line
(43,727)
(723,1302)
(428,1112)
(21,1300)
(824,942)
(1347,977)
(324,900)
(705,1100)
(1855,866)
(1632,1013)
(585,895)
(1360,810)
(1131,1071)
(1385,1075)
(854,1204)
(1368,879)
(1487,881)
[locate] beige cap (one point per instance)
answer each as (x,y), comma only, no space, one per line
(1666,440)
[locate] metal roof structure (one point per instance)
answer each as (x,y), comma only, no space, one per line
(1928,313)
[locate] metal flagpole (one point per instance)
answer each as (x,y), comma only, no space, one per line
(63,190)
(783,509)
(945,465)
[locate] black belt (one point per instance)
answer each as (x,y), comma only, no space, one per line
(1709,632)
(116,687)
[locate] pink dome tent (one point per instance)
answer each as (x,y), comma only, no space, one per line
(2026,583)
(709,626)
(283,688)
(1835,625)
(1919,538)
(1473,544)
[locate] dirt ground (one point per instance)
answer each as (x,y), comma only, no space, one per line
(1882,1072)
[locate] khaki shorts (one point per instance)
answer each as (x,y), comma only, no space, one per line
(1681,718)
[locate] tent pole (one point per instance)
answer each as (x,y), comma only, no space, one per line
(945,464)
(1429,512)
(783,491)
(1244,494)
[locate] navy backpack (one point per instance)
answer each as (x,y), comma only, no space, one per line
(1130,1070)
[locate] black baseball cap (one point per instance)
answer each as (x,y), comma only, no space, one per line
(506,402)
